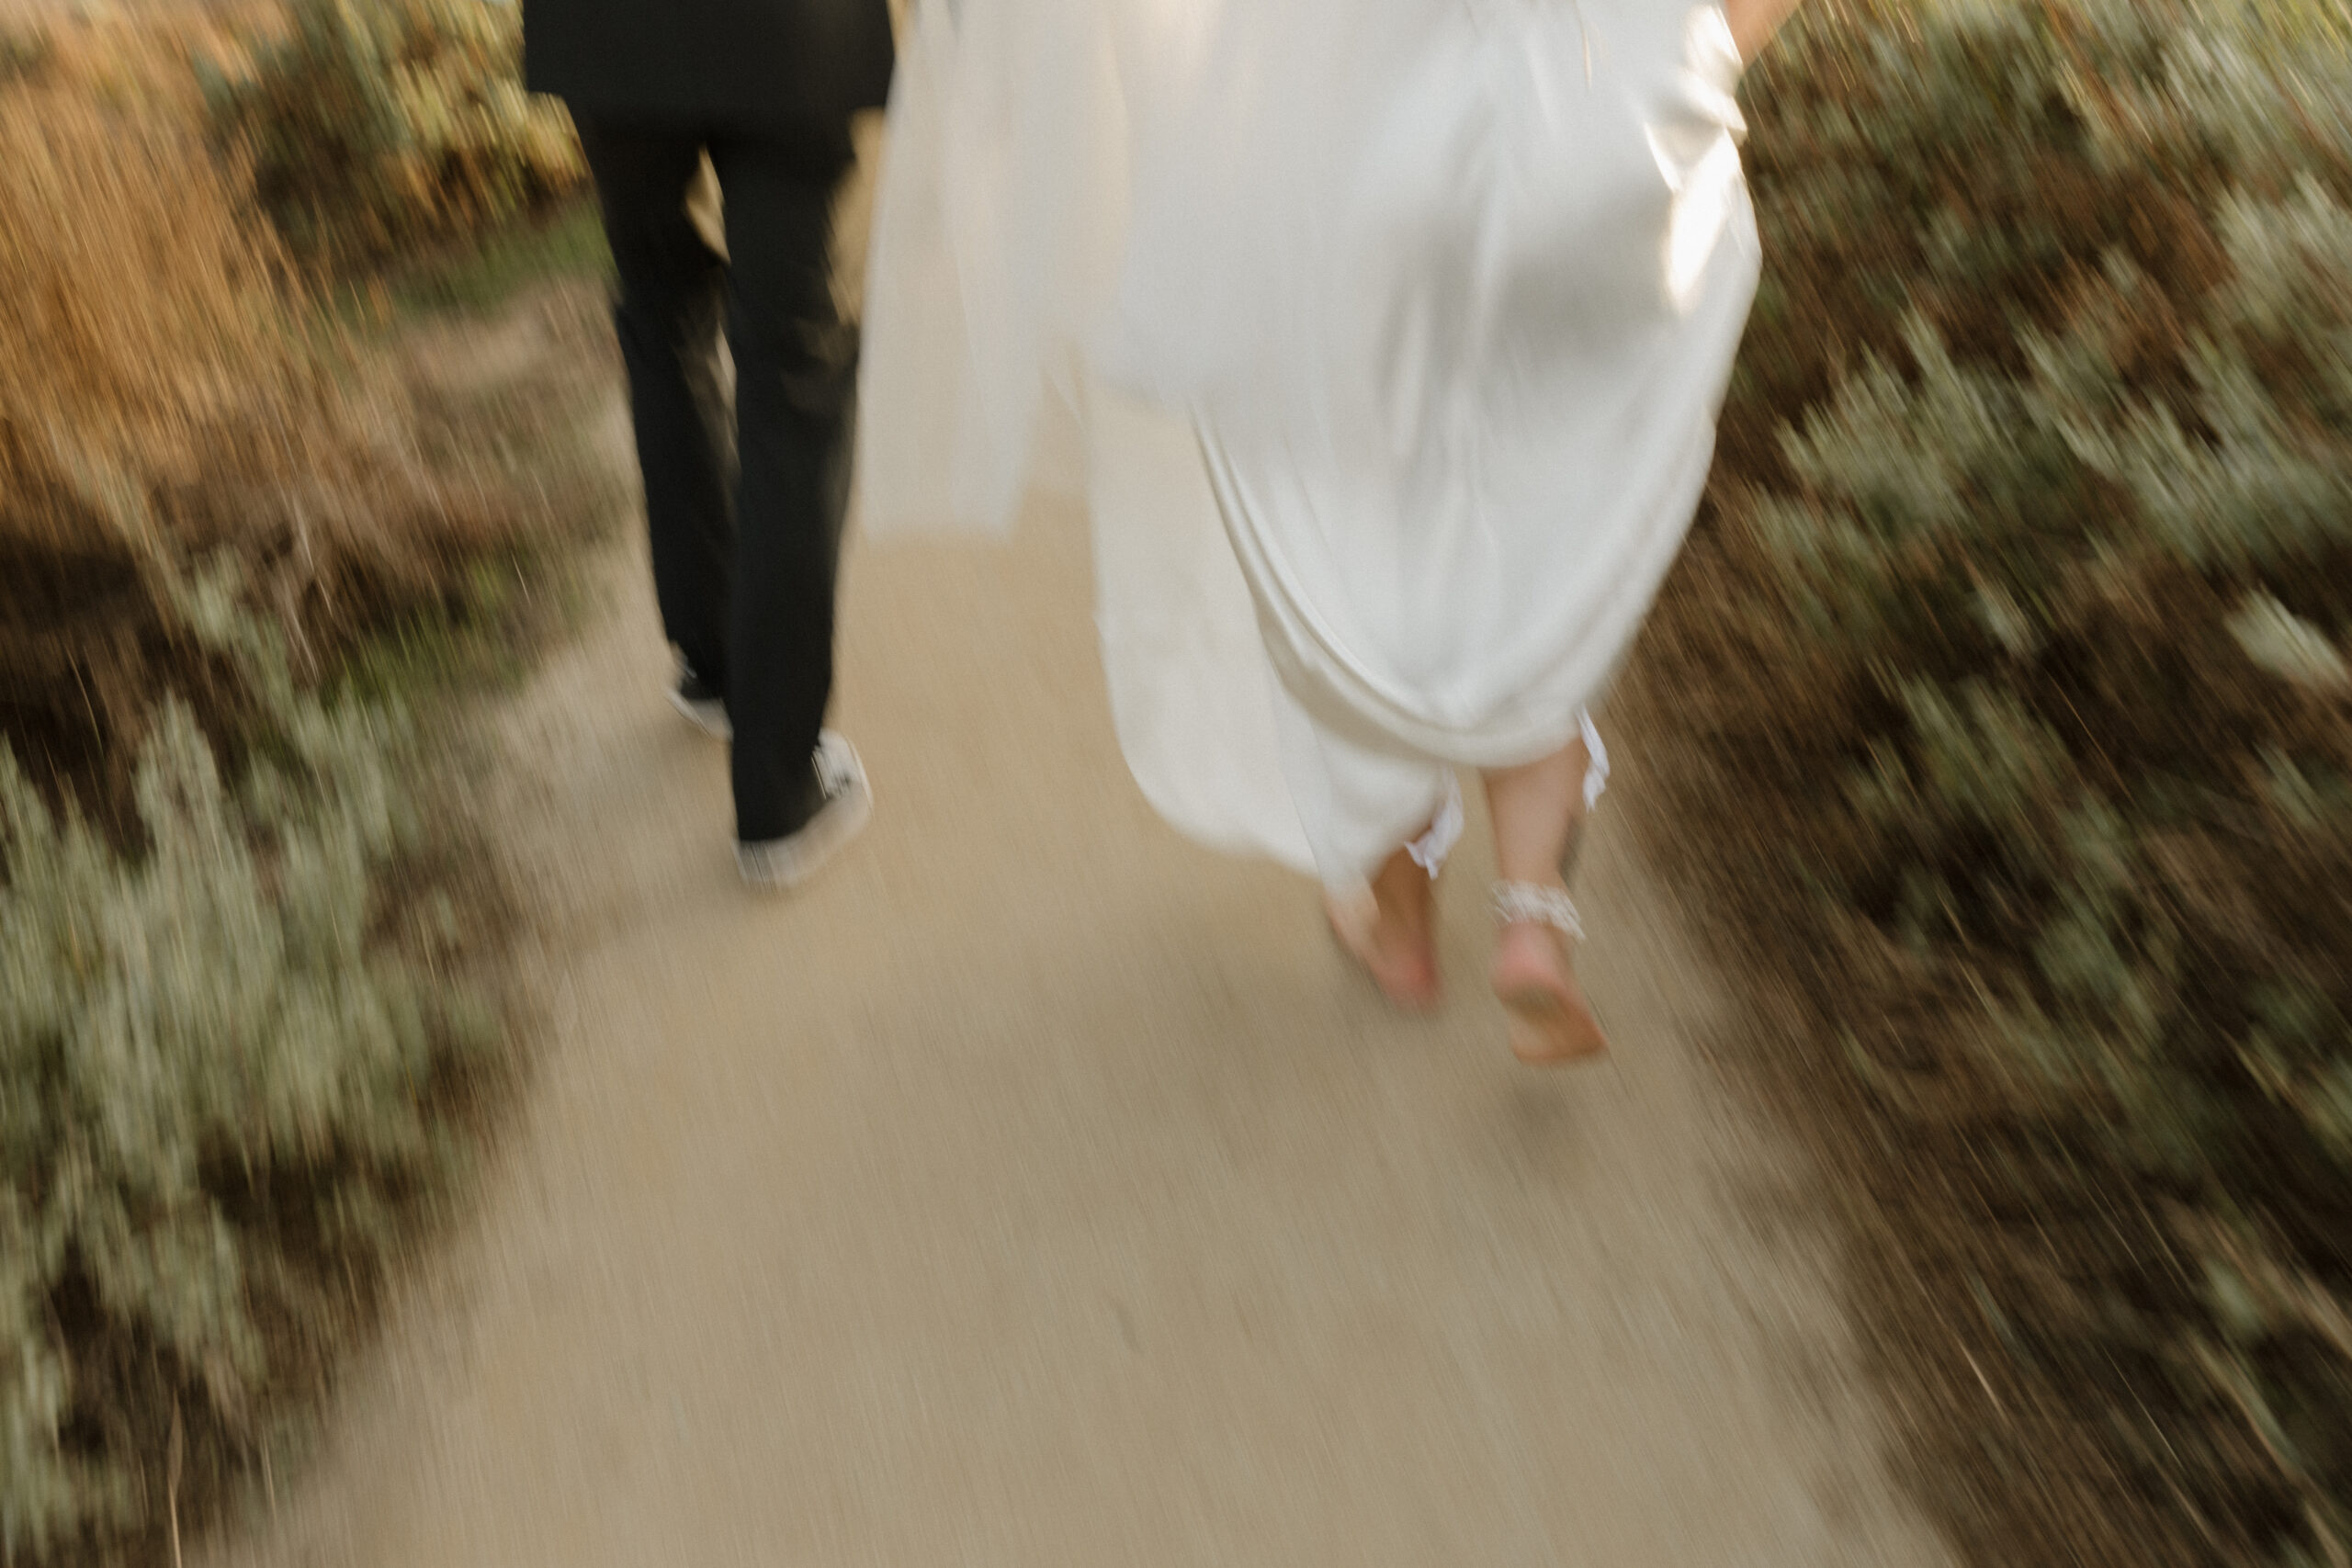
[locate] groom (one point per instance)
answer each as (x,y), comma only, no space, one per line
(746,519)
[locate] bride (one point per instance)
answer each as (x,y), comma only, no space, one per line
(1396,331)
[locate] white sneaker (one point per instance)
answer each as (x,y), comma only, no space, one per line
(703,708)
(776,865)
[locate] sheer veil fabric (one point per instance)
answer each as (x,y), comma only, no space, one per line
(1395,331)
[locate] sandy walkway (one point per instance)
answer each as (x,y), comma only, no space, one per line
(1042,1190)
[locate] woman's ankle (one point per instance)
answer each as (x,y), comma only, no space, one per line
(1402,890)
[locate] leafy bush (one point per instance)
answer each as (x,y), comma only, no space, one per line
(232,1039)
(378,125)
(2016,638)
(159,403)
(225,1065)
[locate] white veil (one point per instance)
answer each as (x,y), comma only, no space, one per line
(1000,228)
(1395,330)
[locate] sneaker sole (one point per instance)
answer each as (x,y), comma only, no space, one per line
(718,727)
(810,851)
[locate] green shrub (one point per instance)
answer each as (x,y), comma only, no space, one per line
(379,125)
(2028,589)
(226,1065)
(165,397)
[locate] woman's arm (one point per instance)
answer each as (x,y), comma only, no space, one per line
(1753,22)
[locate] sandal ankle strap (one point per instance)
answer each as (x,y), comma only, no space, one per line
(1518,901)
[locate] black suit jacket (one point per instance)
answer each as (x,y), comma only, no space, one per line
(747,63)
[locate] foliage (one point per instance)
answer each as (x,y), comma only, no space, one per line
(158,404)
(2025,605)
(233,1040)
(225,1064)
(570,244)
(378,126)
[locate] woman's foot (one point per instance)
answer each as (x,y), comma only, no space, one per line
(1534,977)
(1393,939)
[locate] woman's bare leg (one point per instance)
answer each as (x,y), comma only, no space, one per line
(1396,944)
(1753,23)
(1538,812)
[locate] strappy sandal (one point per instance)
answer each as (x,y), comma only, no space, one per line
(1538,1009)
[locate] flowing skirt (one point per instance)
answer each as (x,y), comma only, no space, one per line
(1394,332)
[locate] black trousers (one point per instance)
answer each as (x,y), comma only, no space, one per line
(746,511)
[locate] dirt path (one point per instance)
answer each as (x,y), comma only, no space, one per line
(1040,1190)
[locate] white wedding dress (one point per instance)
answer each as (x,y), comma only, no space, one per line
(1395,331)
